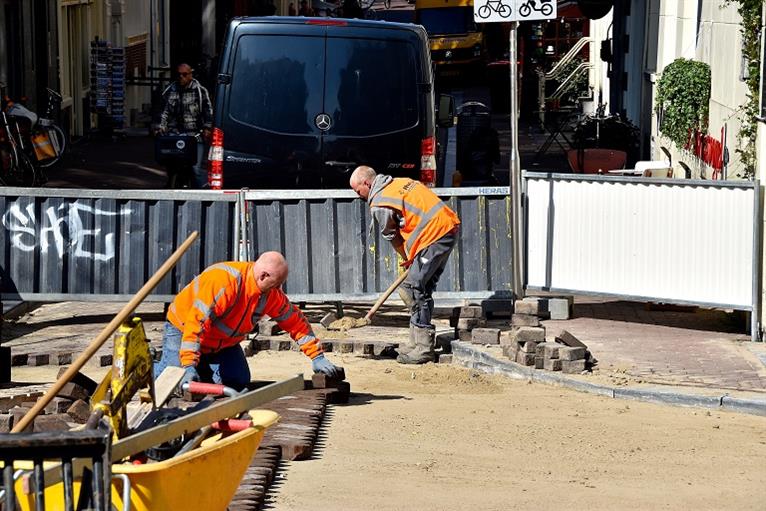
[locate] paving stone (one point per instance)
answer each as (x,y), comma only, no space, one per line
(468,323)
(464,335)
(525,320)
(80,379)
(346,347)
(57,422)
(551,350)
(322,381)
(19,359)
(263,344)
(328,319)
(532,305)
(364,348)
(560,308)
(105,360)
(507,338)
(510,351)
(73,391)
(564,337)
(62,359)
(551,364)
(569,353)
(79,411)
(39,359)
(268,327)
(17,414)
(540,349)
(528,347)
(526,359)
(58,405)
(539,362)
(280,345)
(485,336)
(469,311)
(6,423)
(528,333)
(445,359)
(573,366)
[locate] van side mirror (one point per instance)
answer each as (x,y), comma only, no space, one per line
(445,117)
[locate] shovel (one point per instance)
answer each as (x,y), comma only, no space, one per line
(348,323)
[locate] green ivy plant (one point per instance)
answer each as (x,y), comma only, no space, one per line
(683,100)
(750,12)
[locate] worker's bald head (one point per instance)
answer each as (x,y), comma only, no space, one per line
(270,270)
(361,180)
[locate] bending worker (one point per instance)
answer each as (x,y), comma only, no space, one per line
(212,315)
(423,231)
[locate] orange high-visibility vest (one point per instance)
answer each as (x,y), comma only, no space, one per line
(426,217)
(223,304)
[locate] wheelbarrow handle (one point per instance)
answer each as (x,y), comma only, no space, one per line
(210,389)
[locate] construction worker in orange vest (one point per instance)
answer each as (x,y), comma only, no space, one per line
(212,315)
(423,231)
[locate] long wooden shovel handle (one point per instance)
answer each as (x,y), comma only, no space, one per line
(386,294)
(105,333)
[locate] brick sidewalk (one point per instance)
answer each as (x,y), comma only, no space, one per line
(695,348)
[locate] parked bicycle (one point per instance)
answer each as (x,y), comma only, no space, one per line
(525,9)
(30,143)
(497,6)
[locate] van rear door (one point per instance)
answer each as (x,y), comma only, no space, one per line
(276,91)
(373,103)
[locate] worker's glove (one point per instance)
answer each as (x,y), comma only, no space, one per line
(190,374)
(321,365)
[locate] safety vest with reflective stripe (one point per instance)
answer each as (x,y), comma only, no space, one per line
(426,217)
(223,304)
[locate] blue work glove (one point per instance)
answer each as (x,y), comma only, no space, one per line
(321,365)
(190,374)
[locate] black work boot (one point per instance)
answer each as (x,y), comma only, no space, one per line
(424,347)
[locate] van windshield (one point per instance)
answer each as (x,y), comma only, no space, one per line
(371,86)
(447,21)
(278,82)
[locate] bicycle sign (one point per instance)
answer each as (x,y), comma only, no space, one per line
(487,11)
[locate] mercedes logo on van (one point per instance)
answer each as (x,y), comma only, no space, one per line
(180,144)
(323,122)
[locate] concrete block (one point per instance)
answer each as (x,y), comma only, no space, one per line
(280,345)
(58,405)
(469,323)
(105,360)
(73,391)
(573,366)
(445,359)
(560,308)
(564,337)
(551,364)
(79,411)
(322,381)
(268,327)
(525,320)
(39,359)
(485,336)
(540,350)
(551,350)
(528,347)
(346,347)
(6,423)
(568,353)
(263,344)
(539,362)
(525,359)
(497,307)
(510,351)
(365,348)
(327,319)
(470,311)
(62,359)
(532,305)
(529,333)
(17,414)
(464,335)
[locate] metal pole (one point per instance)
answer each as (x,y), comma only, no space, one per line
(517,224)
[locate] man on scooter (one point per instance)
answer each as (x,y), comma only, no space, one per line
(188,111)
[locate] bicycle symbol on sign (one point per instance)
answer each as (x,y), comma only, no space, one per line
(497,6)
(527,7)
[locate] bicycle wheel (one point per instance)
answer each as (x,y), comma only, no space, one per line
(504,10)
(524,10)
(546,9)
(21,172)
(484,12)
(58,140)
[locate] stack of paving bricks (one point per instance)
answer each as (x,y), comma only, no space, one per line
(61,358)
(292,438)
(465,320)
(69,408)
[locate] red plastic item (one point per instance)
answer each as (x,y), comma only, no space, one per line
(232,425)
(211,389)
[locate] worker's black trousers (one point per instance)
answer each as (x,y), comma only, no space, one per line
(424,274)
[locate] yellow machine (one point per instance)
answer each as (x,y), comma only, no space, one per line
(455,39)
